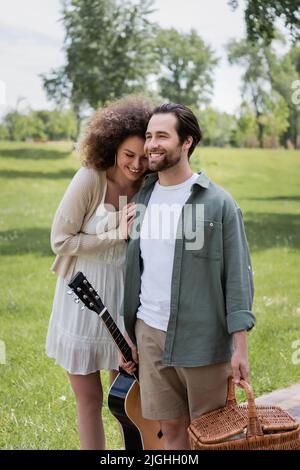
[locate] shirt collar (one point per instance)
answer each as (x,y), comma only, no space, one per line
(202,180)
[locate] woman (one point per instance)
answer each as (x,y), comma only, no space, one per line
(88,236)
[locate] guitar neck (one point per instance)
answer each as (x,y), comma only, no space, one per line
(116,334)
(91,299)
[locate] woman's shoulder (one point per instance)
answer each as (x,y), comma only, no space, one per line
(89,179)
(87,183)
(90,174)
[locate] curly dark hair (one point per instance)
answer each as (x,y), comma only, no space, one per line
(108,127)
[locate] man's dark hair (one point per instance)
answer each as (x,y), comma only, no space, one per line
(187,123)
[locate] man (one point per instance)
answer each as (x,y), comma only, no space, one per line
(187,306)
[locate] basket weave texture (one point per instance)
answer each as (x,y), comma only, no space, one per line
(244,427)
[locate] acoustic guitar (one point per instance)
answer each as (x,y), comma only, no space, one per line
(124,399)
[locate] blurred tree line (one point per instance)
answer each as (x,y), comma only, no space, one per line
(39,125)
(113,49)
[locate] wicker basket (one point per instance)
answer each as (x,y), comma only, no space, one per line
(244,427)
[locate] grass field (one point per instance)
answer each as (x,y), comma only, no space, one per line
(37,409)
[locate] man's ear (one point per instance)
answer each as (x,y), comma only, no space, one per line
(188,142)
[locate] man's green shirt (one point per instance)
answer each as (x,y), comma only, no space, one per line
(212,287)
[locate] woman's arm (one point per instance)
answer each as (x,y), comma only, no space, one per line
(66,235)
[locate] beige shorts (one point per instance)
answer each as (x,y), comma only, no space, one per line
(171,392)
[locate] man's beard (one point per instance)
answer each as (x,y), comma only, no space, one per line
(166,162)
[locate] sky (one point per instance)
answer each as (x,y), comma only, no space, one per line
(31,39)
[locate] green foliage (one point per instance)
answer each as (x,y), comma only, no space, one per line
(274,120)
(255,78)
(264,87)
(108,51)
(112,49)
(186,66)
(260,17)
(275,117)
(37,129)
(245,132)
(3,132)
(59,124)
(217,127)
(283,72)
(295,56)
(18,126)
(39,125)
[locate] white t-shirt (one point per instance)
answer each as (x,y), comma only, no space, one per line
(157,243)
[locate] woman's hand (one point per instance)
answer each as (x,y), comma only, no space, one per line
(129,367)
(126,220)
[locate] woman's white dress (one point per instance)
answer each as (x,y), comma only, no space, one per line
(78,339)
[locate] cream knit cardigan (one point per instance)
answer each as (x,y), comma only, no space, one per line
(79,203)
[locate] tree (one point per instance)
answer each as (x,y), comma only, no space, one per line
(217,127)
(295,56)
(245,132)
(257,84)
(260,17)
(39,125)
(18,126)
(186,66)
(61,125)
(274,118)
(36,125)
(58,124)
(283,72)
(108,52)
(3,132)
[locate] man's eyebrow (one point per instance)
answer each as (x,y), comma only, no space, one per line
(158,132)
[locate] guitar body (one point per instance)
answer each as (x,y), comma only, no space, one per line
(124,402)
(116,404)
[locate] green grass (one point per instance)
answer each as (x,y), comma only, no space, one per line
(37,408)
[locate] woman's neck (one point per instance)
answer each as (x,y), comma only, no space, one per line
(115,176)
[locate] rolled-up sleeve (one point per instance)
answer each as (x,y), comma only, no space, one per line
(238,275)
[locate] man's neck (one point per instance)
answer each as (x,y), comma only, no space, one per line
(175,175)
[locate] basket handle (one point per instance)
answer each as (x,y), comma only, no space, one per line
(230,400)
(254,427)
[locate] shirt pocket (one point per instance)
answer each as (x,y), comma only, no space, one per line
(212,242)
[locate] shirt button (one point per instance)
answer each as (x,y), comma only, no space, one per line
(211,224)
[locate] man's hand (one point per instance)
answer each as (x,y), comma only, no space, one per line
(239,360)
(129,367)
